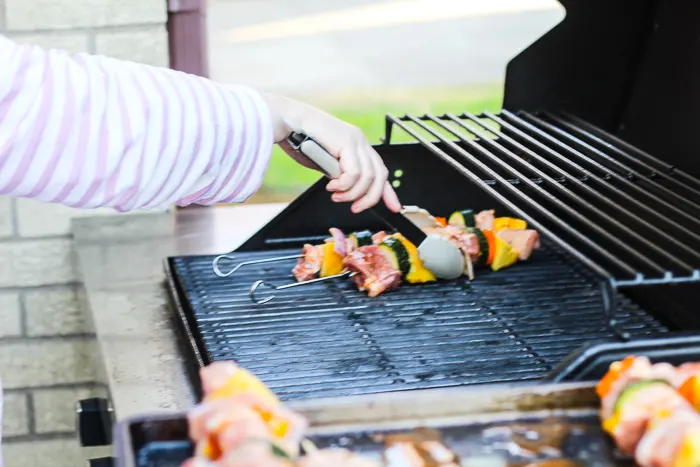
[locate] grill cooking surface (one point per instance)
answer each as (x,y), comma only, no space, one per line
(329,339)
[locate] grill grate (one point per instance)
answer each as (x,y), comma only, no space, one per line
(628,216)
(633,219)
(328,339)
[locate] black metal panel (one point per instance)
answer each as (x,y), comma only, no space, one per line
(663,115)
(328,339)
(585,65)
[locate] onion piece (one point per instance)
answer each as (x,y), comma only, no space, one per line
(340,242)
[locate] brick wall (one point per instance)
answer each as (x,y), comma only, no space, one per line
(45,344)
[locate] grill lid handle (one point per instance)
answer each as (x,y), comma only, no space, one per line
(437,253)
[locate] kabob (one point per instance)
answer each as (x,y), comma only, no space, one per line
(379,261)
(240,422)
(651,411)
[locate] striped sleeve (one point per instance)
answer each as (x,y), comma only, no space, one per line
(88,131)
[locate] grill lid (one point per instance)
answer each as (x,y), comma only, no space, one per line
(630,67)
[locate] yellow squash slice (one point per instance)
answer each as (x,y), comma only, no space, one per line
(505,255)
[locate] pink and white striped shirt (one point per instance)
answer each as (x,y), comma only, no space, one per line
(90,131)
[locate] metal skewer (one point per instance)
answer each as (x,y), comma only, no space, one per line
(217,271)
(257,284)
(308,446)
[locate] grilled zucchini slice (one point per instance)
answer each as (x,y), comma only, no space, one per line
(633,388)
(418,274)
(462,218)
(484,248)
(397,254)
(362,238)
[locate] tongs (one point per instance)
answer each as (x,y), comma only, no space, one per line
(440,256)
(437,253)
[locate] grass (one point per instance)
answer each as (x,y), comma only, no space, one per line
(285,179)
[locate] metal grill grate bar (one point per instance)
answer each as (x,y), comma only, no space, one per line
(610,176)
(612,141)
(534,162)
(661,226)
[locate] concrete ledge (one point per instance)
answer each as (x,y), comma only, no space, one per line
(120,261)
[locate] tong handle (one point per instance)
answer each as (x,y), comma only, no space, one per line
(322,159)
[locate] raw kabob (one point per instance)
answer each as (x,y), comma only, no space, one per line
(649,411)
(241,423)
(502,241)
(378,262)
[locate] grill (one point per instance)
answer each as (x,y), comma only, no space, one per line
(620,234)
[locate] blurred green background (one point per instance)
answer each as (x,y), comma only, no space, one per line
(286,179)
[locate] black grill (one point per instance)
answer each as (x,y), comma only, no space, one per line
(620,227)
(613,220)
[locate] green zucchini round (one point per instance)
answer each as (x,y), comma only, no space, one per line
(483,246)
(397,253)
(361,238)
(632,389)
(462,218)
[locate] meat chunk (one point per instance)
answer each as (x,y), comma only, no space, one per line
(216,375)
(379,237)
(222,425)
(373,270)
(462,239)
(309,265)
(522,241)
(254,453)
(335,458)
(484,219)
(663,443)
(631,421)
(403,454)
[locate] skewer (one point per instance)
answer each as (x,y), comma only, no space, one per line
(308,446)
(257,284)
(217,271)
